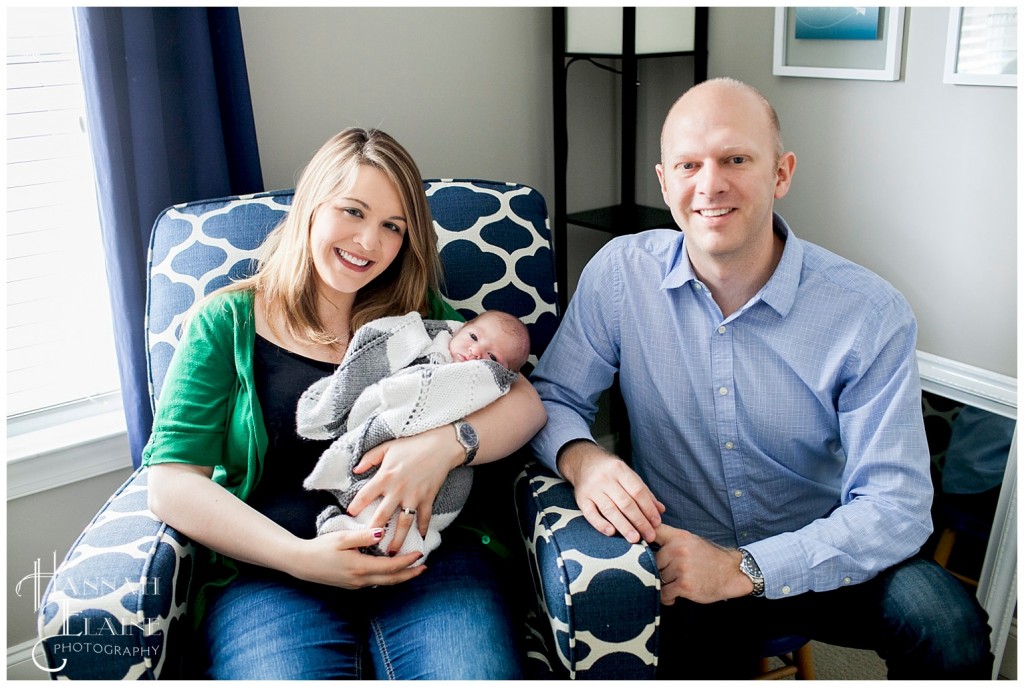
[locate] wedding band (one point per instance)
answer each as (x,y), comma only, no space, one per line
(407,511)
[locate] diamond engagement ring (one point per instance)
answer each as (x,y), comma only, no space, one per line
(407,511)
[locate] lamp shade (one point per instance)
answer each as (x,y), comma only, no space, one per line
(598,30)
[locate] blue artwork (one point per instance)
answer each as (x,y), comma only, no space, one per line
(837,23)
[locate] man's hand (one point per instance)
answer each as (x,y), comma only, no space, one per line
(694,568)
(612,497)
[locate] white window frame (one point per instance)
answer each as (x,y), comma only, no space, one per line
(66,443)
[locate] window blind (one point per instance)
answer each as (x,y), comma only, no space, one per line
(59,333)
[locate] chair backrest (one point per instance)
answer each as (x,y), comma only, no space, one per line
(494,240)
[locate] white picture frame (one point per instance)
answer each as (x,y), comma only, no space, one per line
(879,60)
(988,53)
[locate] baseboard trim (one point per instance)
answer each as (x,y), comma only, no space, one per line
(20,656)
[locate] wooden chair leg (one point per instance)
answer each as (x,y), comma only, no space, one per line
(945,547)
(803,659)
(799,664)
(942,553)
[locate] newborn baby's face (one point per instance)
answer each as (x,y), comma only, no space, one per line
(480,340)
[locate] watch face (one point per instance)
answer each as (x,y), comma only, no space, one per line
(468,435)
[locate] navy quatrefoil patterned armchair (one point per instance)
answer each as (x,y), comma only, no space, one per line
(495,245)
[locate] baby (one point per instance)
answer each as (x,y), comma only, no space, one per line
(402,376)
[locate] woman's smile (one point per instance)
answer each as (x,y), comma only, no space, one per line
(353,261)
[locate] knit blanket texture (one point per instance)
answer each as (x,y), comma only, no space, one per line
(397,379)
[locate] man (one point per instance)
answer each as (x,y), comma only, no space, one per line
(779,455)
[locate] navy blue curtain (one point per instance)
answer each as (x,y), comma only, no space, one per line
(170,119)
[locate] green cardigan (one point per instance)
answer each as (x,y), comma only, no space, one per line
(209,413)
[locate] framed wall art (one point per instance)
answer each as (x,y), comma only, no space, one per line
(839,42)
(981,49)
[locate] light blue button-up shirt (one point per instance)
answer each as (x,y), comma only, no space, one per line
(792,428)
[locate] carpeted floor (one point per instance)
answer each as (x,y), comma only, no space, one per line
(839,663)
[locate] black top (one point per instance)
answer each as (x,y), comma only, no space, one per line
(281,378)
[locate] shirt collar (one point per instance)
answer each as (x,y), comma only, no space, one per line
(680,271)
(779,292)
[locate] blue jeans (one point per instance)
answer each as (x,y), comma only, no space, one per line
(915,615)
(449,623)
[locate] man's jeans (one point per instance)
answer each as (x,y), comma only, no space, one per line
(915,615)
(448,623)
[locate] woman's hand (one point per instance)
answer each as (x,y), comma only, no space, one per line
(410,472)
(335,559)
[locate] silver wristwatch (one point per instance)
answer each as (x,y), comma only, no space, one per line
(748,566)
(468,438)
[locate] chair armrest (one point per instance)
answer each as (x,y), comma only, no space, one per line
(601,594)
(112,605)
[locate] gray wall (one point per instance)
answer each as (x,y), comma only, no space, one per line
(915,179)
(466,90)
(43,525)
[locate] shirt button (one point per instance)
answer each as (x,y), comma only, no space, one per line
(847,580)
(722,391)
(786,589)
(738,493)
(729,445)
(721,330)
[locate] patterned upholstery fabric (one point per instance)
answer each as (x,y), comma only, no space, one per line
(130,568)
(601,594)
(121,591)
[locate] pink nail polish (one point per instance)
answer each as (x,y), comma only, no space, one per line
(378,533)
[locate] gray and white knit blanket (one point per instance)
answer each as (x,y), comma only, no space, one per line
(397,379)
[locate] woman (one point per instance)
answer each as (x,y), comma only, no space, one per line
(227,465)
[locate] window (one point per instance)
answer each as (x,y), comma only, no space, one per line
(64,416)
(59,334)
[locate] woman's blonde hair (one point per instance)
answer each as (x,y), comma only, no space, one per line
(286,278)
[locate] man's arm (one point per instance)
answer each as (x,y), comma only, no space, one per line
(883,515)
(578,365)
